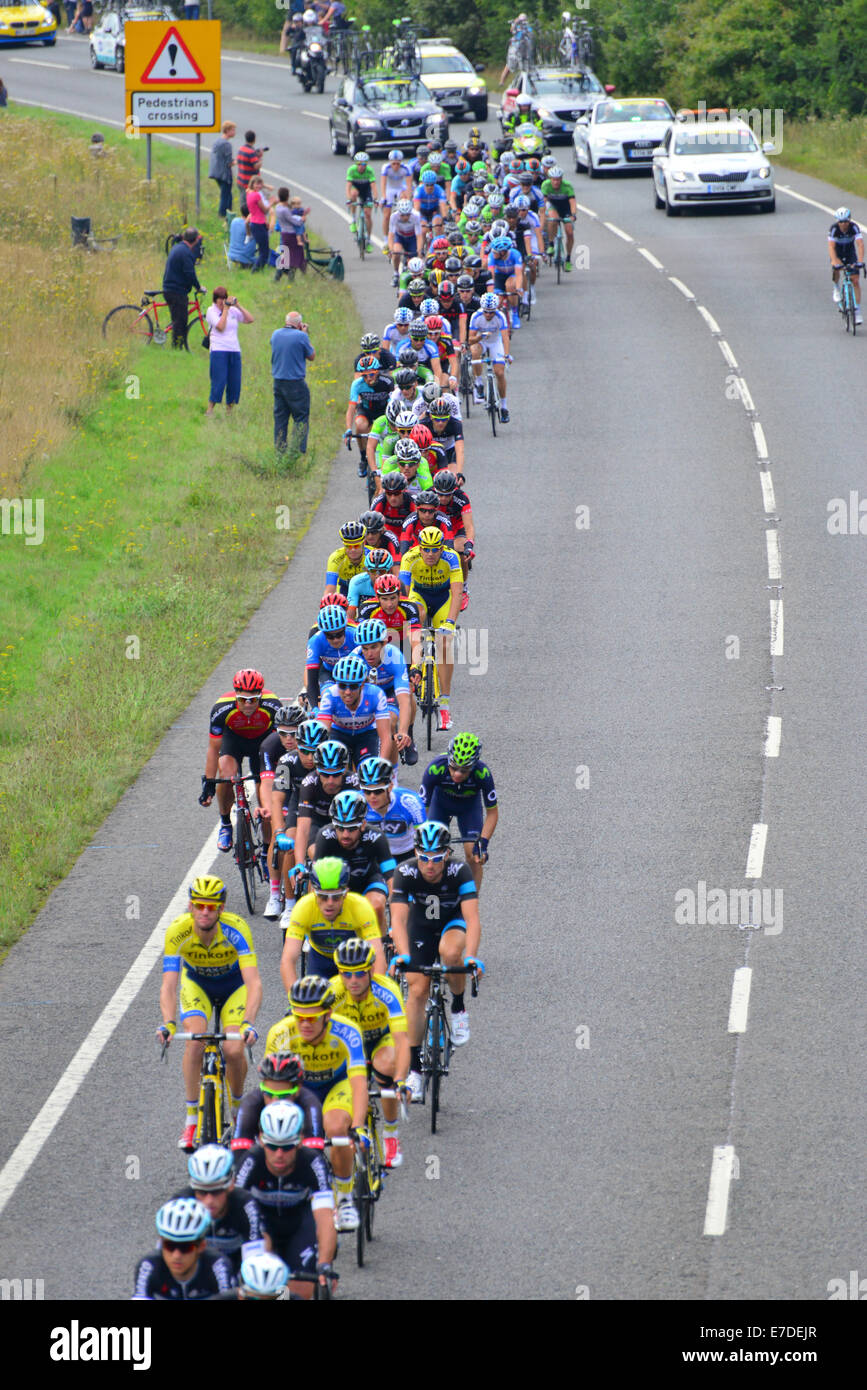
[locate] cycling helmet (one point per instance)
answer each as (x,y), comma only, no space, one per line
(430,391)
(415,265)
(331,619)
(479,182)
(370,630)
(439,243)
(466,282)
(404,315)
(347,809)
(843,214)
(521,203)
(445,482)
(354,954)
(403,206)
(290,716)
(427,498)
(434,323)
(284,1067)
(331,756)
(462,164)
(264,1275)
(547,161)
(434,157)
(525,178)
(431,538)
(392,410)
(428,306)
(501,245)
(455,238)
(408,357)
(368,363)
(282,1123)
(350,670)
(418,327)
(248,682)
(375,772)
(386,583)
(422,436)
(378,561)
(432,835)
(361,156)
(207,888)
(352,532)
(407,451)
(452,267)
(405,420)
(183,1218)
(395,155)
(439,409)
(465,750)
(370,342)
(330,875)
(428,177)
(416,288)
(211,1167)
(475,204)
(555,172)
(310,734)
(372,521)
(500,228)
(394,482)
(330,599)
(474,262)
(489,188)
(488,303)
(311,994)
(496,200)
(405,377)
(447,288)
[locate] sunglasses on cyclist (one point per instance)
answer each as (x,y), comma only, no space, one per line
(353,972)
(185,1245)
(375,791)
(273,1147)
(348,685)
(430,858)
(330,898)
(269,1091)
(247,699)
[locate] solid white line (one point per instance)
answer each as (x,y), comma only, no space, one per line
(740,1001)
(649,256)
(774,736)
(745,396)
(679,285)
(774,564)
(251,101)
(39,63)
(756,852)
(709,319)
(761,443)
(40,1130)
(624,236)
(317,115)
(718,1190)
(802,198)
(588,212)
(728,354)
(776,626)
(768,498)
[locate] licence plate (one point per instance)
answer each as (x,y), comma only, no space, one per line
(565,126)
(641,154)
(722,187)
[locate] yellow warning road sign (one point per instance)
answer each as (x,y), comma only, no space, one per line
(173,74)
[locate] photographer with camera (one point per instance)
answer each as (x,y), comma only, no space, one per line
(248,162)
(223,317)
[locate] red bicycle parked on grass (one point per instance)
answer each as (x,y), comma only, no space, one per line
(136,319)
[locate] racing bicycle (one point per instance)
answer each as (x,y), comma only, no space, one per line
(848,305)
(143,320)
(358,225)
(250,851)
(368,1169)
(214,1115)
(437,1046)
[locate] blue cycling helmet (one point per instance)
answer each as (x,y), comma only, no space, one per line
(378,561)
(348,808)
(331,618)
(522,202)
(404,315)
(371,630)
(183,1219)
(310,734)
(428,177)
(428,306)
(488,303)
(331,756)
(501,244)
(350,670)
(432,837)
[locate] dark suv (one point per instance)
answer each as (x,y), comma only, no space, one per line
(383,109)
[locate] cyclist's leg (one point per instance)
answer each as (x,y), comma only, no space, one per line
(551,220)
(445,649)
(383,1063)
(337,1120)
(569,229)
(231,1018)
(195,1009)
(452,944)
(470,820)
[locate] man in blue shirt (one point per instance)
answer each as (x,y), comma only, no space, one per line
(291,350)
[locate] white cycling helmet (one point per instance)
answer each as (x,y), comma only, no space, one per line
(183,1218)
(395,155)
(406,450)
(264,1275)
(211,1168)
(415,265)
(499,228)
(843,214)
(555,172)
(282,1123)
(431,392)
(403,206)
(488,303)
(404,420)
(404,315)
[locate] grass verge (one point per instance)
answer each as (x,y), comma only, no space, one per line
(163,529)
(834,150)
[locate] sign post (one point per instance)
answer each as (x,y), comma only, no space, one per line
(173,80)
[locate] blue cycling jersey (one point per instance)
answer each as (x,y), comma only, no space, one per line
(438,778)
(372,706)
(321,654)
(391,674)
(405,811)
(429,196)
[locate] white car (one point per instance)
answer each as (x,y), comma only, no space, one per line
(707,163)
(107,43)
(620,134)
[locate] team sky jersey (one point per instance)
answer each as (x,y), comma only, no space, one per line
(405,811)
(559,198)
(247,1123)
(213,1274)
(239,1223)
(370,861)
(488,326)
(356,918)
(372,706)
(410,533)
(314,801)
(336,1056)
(284,1202)
(370,398)
(289,774)
(432,906)
(404,623)
(340,569)
(387,360)
(362,178)
(438,779)
(379,1012)
(228,718)
(390,675)
(844,242)
(426,579)
(231,948)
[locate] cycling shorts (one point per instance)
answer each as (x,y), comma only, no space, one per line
(339,1097)
(424,942)
(240,748)
(198,998)
(298,1251)
(362,743)
(435,609)
(495,348)
(406,241)
(500,278)
(469,812)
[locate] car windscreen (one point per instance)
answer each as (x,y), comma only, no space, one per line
(614,112)
(395,89)
(449,62)
(568,83)
(716,142)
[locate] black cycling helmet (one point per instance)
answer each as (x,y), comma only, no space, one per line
(284,1067)
(405,376)
(466,282)
(290,716)
(394,482)
(427,498)
(312,992)
(408,357)
(445,481)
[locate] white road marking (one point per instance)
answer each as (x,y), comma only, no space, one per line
(746,397)
(776,626)
(718,1190)
(624,236)
(43,1126)
(774,736)
(774,565)
(728,354)
(709,319)
(40,63)
(649,256)
(317,115)
(802,198)
(740,1001)
(588,212)
(768,498)
(257,63)
(756,852)
(761,443)
(251,101)
(679,285)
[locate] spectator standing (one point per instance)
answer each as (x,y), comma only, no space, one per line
(179,277)
(291,350)
(224,316)
(289,219)
(4,93)
(258,208)
(247,164)
(70,7)
(191,11)
(220,166)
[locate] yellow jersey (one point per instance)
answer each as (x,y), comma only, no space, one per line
(416,575)
(336,1056)
(379,1012)
(356,918)
(340,569)
(221,961)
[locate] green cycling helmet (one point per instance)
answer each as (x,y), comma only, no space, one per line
(329,875)
(465,750)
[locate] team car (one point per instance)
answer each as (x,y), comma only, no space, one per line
(27,24)
(108,42)
(561,96)
(452,80)
(708,163)
(381,109)
(620,134)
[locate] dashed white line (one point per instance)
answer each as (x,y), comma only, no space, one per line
(257,63)
(756,851)
(740,1000)
(768,498)
(773,736)
(761,443)
(728,354)
(251,101)
(747,399)
(721,1169)
(776,626)
(802,198)
(772,540)
(684,289)
(649,256)
(618,231)
(317,115)
(709,319)
(39,63)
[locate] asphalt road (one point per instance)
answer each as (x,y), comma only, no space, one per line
(633,662)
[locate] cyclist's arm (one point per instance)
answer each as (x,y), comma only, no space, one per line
(492,815)
(169,995)
(212,757)
(456,593)
(470,910)
(289,960)
(468,524)
(459,452)
(253,981)
(358,1086)
(859,247)
(383,728)
(326,1234)
(832,249)
(302,836)
(399,913)
(572,208)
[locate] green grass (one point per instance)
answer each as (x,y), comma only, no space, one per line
(163,532)
(834,150)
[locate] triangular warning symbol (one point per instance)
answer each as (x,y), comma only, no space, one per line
(173,62)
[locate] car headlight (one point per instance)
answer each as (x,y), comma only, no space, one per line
(543,112)
(606,140)
(764,172)
(678,176)
(367,124)
(439,116)
(474,91)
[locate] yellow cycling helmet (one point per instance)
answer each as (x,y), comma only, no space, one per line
(208,889)
(431,538)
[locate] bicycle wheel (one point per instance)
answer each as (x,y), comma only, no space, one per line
(207,1130)
(126,320)
(245,854)
(491,405)
(361,1196)
(434,1061)
(428,701)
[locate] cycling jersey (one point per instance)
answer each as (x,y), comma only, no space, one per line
(406,226)
(395,181)
(227,717)
(390,675)
(154,1280)
(386,359)
(337,1056)
(356,918)
(239,1223)
(405,811)
(559,198)
(217,964)
(431,582)
(396,335)
(288,776)
(321,657)
(371,706)
(370,860)
(455,507)
(247,1123)
(340,569)
(504,266)
(434,908)
(371,397)
(377,1014)
(362,179)
(844,242)
(287,1202)
(412,527)
(438,779)
(429,196)
(314,802)
(402,626)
